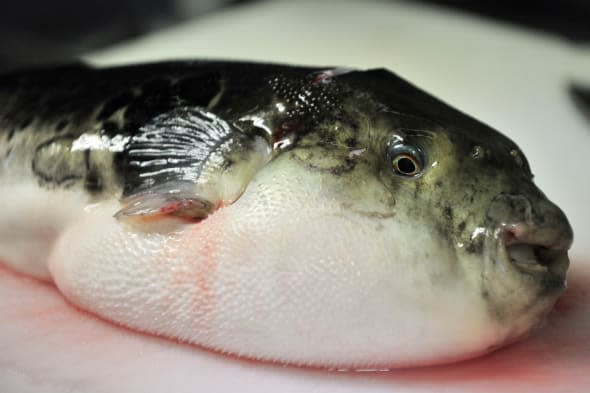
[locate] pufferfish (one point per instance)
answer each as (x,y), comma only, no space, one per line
(325,217)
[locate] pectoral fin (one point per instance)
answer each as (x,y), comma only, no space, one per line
(187,163)
(174,198)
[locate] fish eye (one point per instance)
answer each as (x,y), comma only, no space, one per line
(406,160)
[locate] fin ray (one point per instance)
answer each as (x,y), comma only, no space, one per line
(187,162)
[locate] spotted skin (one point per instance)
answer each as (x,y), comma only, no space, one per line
(115,133)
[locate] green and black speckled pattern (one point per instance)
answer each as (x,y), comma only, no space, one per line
(68,101)
(331,121)
(65,102)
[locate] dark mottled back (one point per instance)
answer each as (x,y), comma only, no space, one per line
(71,94)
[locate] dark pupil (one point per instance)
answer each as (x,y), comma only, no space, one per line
(406,165)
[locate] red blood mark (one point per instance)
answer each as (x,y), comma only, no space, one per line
(286,132)
(205,234)
(189,260)
(554,358)
(323,77)
(5,269)
(40,315)
(525,367)
(27,300)
(170,207)
(577,293)
(186,207)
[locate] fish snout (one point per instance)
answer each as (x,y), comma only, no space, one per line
(537,250)
(535,237)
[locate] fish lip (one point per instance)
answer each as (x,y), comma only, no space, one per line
(547,261)
(542,256)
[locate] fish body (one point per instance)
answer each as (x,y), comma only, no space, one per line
(312,216)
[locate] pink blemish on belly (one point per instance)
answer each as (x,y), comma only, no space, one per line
(207,238)
(134,362)
(194,257)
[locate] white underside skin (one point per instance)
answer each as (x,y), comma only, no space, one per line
(280,275)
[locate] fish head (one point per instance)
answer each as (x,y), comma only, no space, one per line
(453,248)
(473,187)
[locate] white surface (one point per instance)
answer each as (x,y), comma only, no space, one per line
(511,79)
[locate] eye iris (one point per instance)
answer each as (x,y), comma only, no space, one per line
(406,160)
(406,165)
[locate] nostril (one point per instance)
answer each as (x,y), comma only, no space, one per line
(548,238)
(510,237)
(513,234)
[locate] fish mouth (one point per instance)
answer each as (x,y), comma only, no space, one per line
(539,254)
(535,258)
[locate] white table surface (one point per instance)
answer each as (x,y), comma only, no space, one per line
(511,78)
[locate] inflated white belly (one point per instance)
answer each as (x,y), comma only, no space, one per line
(279,275)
